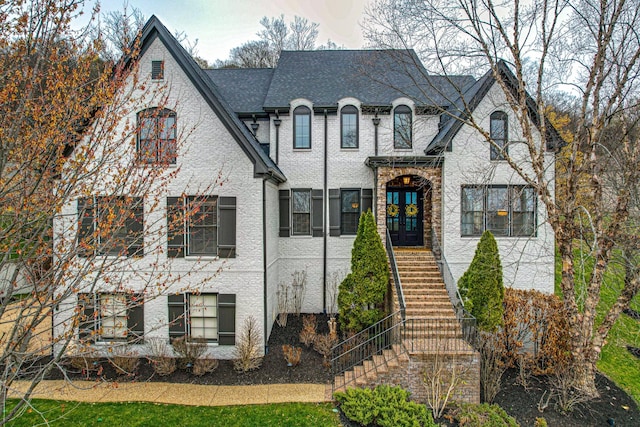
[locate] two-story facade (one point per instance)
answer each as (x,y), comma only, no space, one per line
(278,166)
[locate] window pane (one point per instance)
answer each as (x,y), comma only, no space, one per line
(350,208)
(402,127)
(113,315)
(472,221)
(301,218)
(203,226)
(349,130)
(302,131)
(301,201)
(203,313)
(498,211)
(498,134)
(523,211)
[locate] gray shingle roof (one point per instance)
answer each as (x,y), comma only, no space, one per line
(375,77)
(243,88)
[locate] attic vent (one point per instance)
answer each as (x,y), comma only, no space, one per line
(157,70)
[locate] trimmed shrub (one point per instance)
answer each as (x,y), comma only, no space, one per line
(188,351)
(308,332)
(203,366)
(481,415)
(361,293)
(383,406)
(481,285)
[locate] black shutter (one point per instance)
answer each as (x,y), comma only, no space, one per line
(367,200)
(227,227)
(227,319)
(86,224)
(87,321)
(135,317)
(175,227)
(177,316)
(285,216)
(135,228)
(316,213)
(334,212)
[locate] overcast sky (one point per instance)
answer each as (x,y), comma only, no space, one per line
(220,25)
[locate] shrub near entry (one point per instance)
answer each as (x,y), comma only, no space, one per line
(481,285)
(361,293)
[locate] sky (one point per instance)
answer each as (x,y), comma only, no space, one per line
(220,25)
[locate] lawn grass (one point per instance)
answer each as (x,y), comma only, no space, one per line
(61,413)
(615,361)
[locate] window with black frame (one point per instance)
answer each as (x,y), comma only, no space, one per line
(402,132)
(499,135)
(349,127)
(350,211)
(301,212)
(301,127)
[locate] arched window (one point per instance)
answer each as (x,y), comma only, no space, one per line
(499,135)
(402,127)
(349,127)
(301,127)
(157,136)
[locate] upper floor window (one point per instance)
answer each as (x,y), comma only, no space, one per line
(302,127)
(201,226)
(499,135)
(503,210)
(157,136)
(301,212)
(111,225)
(349,127)
(402,127)
(157,70)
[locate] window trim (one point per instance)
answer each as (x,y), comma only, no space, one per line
(402,109)
(494,153)
(512,191)
(350,110)
(157,114)
(308,213)
(344,232)
(301,110)
(190,317)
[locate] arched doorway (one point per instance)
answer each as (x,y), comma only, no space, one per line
(408,210)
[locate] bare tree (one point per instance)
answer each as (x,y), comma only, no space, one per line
(303,34)
(587,49)
(118,29)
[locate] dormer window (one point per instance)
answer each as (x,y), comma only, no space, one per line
(499,135)
(157,70)
(402,127)
(157,136)
(349,127)
(301,127)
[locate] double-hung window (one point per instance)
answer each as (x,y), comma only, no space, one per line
(111,225)
(349,127)
(349,211)
(301,127)
(203,316)
(301,212)
(157,136)
(111,316)
(402,132)
(499,135)
(505,210)
(201,226)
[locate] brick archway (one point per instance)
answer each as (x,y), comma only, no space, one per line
(430,179)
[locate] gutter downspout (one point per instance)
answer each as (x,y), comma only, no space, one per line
(264,262)
(324,217)
(376,122)
(277,122)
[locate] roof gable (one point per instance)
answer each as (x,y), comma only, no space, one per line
(458,112)
(263,165)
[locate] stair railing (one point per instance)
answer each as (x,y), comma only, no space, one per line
(396,276)
(357,349)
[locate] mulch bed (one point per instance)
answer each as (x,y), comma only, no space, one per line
(613,405)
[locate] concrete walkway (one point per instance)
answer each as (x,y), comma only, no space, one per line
(181,394)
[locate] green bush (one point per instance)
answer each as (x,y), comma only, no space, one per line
(473,415)
(361,293)
(481,285)
(384,406)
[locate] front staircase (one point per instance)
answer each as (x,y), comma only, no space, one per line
(401,346)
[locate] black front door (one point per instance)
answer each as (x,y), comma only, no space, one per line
(404,216)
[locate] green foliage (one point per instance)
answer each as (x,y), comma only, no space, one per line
(361,293)
(481,285)
(61,413)
(384,406)
(473,415)
(540,422)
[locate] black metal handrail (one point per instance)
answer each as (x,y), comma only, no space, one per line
(396,276)
(365,344)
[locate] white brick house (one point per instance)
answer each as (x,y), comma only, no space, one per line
(304,148)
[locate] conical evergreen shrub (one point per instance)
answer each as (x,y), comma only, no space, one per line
(481,286)
(361,293)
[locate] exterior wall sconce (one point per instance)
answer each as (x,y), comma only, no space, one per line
(406,180)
